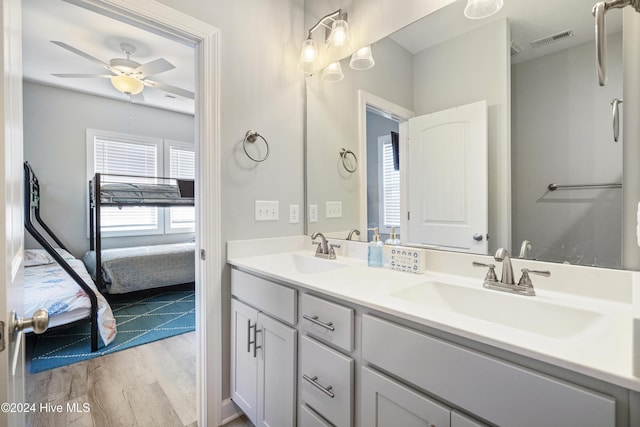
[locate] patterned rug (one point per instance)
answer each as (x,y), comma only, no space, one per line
(140,318)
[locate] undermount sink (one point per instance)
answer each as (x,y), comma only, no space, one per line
(306,264)
(526,313)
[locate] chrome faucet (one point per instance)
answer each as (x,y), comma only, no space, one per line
(502,255)
(506,283)
(325,249)
(352,232)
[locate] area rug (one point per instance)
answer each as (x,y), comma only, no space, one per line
(140,319)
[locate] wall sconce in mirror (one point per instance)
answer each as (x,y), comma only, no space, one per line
(337,40)
(478,9)
(332,73)
(362,59)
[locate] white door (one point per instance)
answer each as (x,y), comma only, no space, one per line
(447,179)
(12,231)
(276,373)
(244,362)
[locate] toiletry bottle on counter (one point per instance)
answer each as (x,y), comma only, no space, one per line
(393,238)
(376,249)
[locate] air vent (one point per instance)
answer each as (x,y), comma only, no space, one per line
(545,41)
(515,48)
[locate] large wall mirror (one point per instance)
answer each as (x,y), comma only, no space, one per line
(530,71)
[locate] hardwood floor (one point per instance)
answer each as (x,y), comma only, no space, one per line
(149,385)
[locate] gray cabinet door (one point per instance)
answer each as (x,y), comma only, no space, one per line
(276,373)
(387,403)
(244,366)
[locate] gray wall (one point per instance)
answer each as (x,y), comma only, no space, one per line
(562,134)
(55,123)
(466,69)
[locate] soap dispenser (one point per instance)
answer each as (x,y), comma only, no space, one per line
(375,252)
(393,238)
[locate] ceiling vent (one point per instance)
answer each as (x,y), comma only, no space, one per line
(545,41)
(515,48)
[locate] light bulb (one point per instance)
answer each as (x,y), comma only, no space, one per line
(127,84)
(362,59)
(478,9)
(332,73)
(308,56)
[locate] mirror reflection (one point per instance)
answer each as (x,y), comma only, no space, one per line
(455,135)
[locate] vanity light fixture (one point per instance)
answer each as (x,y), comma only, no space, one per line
(337,40)
(127,84)
(478,9)
(362,59)
(332,73)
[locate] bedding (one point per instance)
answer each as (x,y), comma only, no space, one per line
(47,285)
(137,194)
(144,267)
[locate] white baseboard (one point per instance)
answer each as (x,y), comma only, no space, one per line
(229,411)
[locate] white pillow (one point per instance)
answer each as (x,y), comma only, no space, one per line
(34,257)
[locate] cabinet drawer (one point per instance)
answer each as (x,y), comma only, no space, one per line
(308,418)
(327,321)
(326,378)
(276,300)
(501,392)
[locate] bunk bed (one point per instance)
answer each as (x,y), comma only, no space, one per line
(124,270)
(57,281)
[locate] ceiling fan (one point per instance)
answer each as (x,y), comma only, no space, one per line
(128,76)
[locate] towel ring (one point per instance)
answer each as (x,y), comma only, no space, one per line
(343,155)
(252,136)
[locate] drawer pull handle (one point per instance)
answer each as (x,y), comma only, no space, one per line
(314,382)
(315,320)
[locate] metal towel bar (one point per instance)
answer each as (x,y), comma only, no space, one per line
(554,187)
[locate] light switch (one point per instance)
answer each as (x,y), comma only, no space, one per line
(334,209)
(294,214)
(313,213)
(267,210)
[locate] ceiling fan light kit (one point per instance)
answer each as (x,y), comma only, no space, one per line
(127,85)
(128,76)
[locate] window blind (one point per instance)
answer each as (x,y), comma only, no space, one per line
(182,165)
(127,158)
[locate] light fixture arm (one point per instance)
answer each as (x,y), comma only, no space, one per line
(331,16)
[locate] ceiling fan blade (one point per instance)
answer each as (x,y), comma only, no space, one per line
(137,98)
(83,76)
(154,67)
(82,54)
(171,89)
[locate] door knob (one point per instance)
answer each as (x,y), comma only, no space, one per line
(39,322)
(477,237)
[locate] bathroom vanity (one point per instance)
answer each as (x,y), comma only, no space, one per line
(333,342)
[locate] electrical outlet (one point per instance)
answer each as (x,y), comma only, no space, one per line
(267,210)
(333,210)
(313,213)
(294,214)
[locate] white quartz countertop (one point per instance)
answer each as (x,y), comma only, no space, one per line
(598,345)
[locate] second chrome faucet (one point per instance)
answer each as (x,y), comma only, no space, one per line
(507,282)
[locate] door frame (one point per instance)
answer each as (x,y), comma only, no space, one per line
(402,115)
(161,19)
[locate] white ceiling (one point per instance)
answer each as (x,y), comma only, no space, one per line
(530,20)
(100,37)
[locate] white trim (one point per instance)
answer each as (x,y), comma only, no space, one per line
(400,114)
(153,16)
(229,411)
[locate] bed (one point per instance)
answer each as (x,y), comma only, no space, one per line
(48,268)
(48,286)
(144,267)
(125,270)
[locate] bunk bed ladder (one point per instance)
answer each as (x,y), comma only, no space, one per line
(32,205)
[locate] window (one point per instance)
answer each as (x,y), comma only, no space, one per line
(120,154)
(180,163)
(389,186)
